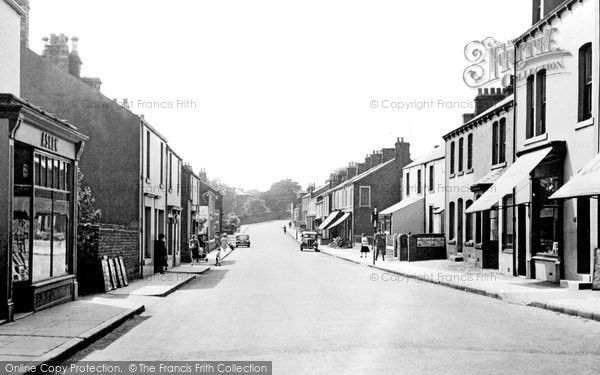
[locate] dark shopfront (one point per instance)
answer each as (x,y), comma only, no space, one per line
(39,209)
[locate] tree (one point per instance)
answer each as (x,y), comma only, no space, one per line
(281,194)
(229,201)
(88,214)
(232,219)
(255,206)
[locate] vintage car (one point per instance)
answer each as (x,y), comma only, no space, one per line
(242,240)
(309,241)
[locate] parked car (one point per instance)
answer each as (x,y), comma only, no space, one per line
(242,240)
(229,229)
(309,241)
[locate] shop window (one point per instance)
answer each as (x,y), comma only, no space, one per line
(494,225)
(469,223)
(502,141)
(540,95)
(546,215)
(461,154)
(585,82)
(530,106)
(508,223)
(452,157)
(451,220)
(478,224)
(495,143)
(419,182)
(21,235)
(470,152)
(365,196)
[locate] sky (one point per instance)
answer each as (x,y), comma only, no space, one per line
(259,91)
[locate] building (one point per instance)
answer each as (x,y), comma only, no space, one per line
(554,176)
(174,207)
(477,154)
(38,220)
(361,188)
(423,197)
(127,163)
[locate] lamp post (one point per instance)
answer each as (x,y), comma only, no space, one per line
(375,221)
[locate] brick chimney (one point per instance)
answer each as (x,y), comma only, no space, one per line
(202,175)
(360,168)
(351,170)
(24,21)
(388,154)
(486,99)
(56,51)
(368,162)
(74,59)
(377,158)
(541,8)
(466,117)
(402,151)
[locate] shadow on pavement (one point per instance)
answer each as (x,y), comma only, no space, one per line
(207,280)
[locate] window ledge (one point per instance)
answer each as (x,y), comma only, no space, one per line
(148,181)
(460,174)
(584,124)
(499,165)
(537,139)
(452,175)
(479,246)
(507,251)
(469,244)
(452,242)
(470,171)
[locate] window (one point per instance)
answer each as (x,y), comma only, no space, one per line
(585,82)
(502,141)
(162,164)
(540,102)
(365,196)
(478,223)
(431,178)
(470,152)
(178,176)
(147,154)
(419,183)
(530,107)
(494,225)
(469,223)
(508,223)
(430,221)
(170,171)
(495,143)
(452,157)
(407,184)
(451,220)
(461,154)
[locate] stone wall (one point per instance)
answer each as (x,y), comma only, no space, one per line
(98,240)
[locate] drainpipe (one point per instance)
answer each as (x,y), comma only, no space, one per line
(425,206)
(516,248)
(142,244)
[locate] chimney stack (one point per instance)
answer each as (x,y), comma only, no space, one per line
(360,168)
(486,99)
(351,170)
(377,158)
(202,175)
(388,154)
(368,162)
(402,151)
(466,117)
(24,22)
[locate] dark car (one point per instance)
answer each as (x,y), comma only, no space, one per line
(309,241)
(242,240)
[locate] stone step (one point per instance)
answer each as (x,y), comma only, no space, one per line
(575,284)
(457,257)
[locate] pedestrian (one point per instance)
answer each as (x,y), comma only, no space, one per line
(202,247)
(160,254)
(380,243)
(290,225)
(194,246)
(364,248)
(224,244)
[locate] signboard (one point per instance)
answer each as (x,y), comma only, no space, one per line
(596,277)
(35,137)
(106,274)
(431,242)
(123,271)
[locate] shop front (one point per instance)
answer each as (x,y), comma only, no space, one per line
(39,207)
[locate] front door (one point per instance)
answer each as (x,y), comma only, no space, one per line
(583,236)
(459,228)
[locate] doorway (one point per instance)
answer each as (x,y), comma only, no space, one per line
(583,236)
(521,240)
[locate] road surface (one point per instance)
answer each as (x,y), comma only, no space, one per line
(310,313)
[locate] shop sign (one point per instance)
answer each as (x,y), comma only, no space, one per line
(49,142)
(431,242)
(492,61)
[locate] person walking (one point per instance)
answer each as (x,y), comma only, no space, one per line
(194,246)
(160,254)
(364,248)
(380,243)
(224,243)
(202,247)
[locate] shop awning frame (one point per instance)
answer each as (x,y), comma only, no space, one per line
(332,216)
(345,216)
(401,205)
(586,183)
(513,176)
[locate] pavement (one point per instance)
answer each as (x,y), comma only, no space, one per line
(491,283)
(311,313)
(53,334)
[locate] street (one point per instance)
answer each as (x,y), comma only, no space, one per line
(312,313)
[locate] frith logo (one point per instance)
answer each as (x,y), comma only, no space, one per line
(492,61)
(49,142)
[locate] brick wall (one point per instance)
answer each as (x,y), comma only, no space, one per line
(96,241)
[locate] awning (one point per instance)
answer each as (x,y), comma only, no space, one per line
(586,183)
(488,180)
(400,205)
(340,220)
(329,220)
(515,174)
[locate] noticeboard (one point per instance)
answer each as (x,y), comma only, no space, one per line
(596,276)
(431,242)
